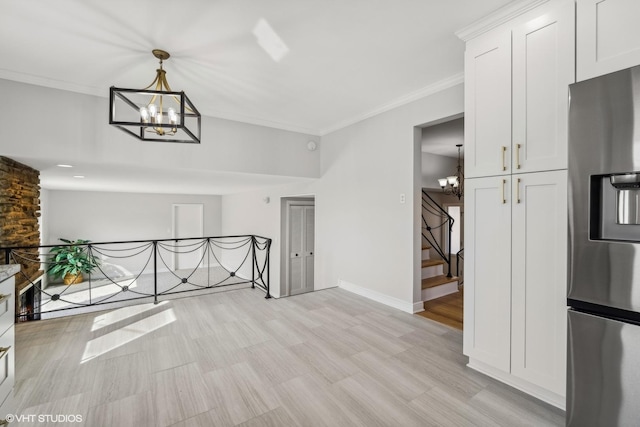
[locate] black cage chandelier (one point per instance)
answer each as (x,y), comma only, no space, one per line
(454,184)
(155,113)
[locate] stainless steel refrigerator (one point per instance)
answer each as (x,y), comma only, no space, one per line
(603,371)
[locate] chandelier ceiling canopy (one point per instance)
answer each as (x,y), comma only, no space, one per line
(155,113)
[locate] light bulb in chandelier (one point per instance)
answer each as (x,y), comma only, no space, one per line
(144,114)
(173,117)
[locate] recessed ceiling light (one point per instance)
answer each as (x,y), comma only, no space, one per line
(64,166)
(78,176)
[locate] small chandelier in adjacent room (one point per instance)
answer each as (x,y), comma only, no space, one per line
(155,113)
(454,184)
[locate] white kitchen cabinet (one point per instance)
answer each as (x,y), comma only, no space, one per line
(487,271)
(608,36)
(543,68)
(515,280)
(517,73)
(7,338)
(516,102)
(487,122)
(538,279)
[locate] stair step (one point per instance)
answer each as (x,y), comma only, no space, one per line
(439,286)
(437,281)
(425,247)
(431,262)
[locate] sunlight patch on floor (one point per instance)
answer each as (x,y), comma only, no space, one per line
(108,342)
(123,313)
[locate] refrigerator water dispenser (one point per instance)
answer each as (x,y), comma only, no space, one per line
(627,196)
(615,207)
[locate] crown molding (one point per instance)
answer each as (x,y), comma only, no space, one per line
(441,85)
(52,84)
(260,122)
(497,18)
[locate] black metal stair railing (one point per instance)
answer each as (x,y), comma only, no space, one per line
(459,256)
(431,206)
(143,271)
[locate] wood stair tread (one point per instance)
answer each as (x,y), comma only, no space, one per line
(437,281)
(425,247)
(431,262)
(447,309)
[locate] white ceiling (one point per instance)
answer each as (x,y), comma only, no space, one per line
(346,59)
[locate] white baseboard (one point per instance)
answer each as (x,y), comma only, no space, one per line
(520,384)
(407,307)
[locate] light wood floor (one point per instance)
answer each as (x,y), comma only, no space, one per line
(447,310)
(328,358)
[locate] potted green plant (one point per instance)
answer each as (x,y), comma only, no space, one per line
(70,261)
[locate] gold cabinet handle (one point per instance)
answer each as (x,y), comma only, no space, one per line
(518,191)
(518,146)
(503,151)
(4,351)
(3,298)
(504,182)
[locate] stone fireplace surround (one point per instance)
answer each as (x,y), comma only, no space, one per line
(19,225)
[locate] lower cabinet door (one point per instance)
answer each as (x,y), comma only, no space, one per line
(487,270)
(539,279)
(7,365)
(7,304)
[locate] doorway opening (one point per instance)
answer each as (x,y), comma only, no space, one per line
(442,221)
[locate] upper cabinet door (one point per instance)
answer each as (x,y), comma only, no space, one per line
(543,68)
(487,124)
(608,36)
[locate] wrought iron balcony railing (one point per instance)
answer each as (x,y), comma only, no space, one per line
(130,272)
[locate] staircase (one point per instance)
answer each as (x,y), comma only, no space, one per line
(435,283)
(436,238)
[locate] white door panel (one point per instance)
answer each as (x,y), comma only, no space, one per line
(301,223)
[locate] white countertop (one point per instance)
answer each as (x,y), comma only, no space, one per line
(9,270)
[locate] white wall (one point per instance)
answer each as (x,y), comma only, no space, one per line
(108,217)
(66,127)
(364,235)
(247,213)
(42,220)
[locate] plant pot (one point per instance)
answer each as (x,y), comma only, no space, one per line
(73,279)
